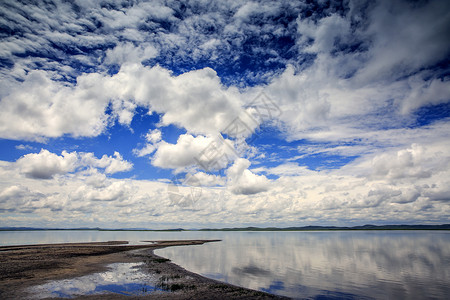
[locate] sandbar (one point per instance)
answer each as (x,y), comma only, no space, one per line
(22,267)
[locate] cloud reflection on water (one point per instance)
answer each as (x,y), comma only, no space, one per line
(379,265)
(121,278)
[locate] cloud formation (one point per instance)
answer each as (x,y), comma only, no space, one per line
(361,83)
(207,153)
(242,181)
(45,165)
(361,190)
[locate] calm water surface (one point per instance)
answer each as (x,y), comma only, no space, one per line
(311,265)
(327,265)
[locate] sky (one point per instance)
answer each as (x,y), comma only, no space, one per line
(167,114)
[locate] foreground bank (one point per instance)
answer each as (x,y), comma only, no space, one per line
(24,267)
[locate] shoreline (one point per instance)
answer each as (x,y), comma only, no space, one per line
(24,266)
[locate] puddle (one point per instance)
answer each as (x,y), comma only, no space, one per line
(121,278)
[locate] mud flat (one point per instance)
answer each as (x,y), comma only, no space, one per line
(26,271)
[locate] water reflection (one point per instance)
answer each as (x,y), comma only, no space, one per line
(327,265)
(82,236)
(121,278)
(78,236)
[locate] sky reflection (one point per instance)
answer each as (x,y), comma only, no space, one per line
(121,278)
(372,265)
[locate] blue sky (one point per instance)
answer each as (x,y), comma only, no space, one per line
(189,114)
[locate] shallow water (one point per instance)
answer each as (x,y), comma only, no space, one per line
(121,278)
(8,238)
(312,265)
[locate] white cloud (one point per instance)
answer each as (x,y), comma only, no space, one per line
(322,99)
(286,169)
(358,192)
(18,198)
(117,191)
(127,52)
(325,32)
(404,163)
(425,93)
(40,108)
(146,150)
(152,137)
(344,94)
(123,111)
(410,163)
(204,179)
(405,38)
(92,177)
(24,147)
(209,153)
(195,100)
(45,165)
(110,164)
(242,181)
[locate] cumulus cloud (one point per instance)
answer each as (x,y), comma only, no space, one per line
(114,191)
(208,153)
(357,192)
(152,138)
(204,179)
(18,198)
(242,181)
(40,107)
(45,165)
(414,162)
(109,163)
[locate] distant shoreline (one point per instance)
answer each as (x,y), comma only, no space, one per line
(303,228)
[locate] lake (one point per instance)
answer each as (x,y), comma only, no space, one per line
(311,265)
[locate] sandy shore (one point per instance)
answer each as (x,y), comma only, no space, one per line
(22,267)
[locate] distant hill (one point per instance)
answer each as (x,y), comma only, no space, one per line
(304,228)
(34,228)
(330,228)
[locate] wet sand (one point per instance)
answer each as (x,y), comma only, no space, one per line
(22,267)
